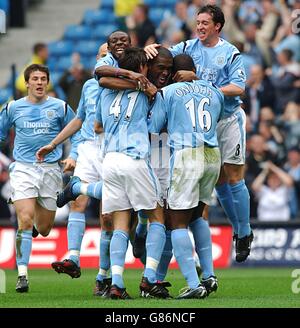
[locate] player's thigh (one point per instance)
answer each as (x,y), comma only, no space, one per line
(142,186)
(186,168)
(232,138)
(25,211)
(50,185)
(24,181)
(89,164)
(114,197)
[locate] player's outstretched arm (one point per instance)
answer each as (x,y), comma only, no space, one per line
(71,128)
(109,71)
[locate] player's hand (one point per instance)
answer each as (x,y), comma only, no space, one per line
(184,76)
(140,79)
(150,91)
(42,152)
(69,164)
(151,50)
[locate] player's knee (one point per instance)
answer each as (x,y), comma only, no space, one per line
(106,222)
(25,221)
(44,230)
(80,204)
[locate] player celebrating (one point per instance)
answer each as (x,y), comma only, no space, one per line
(36,119)
(191,111)
(220,62)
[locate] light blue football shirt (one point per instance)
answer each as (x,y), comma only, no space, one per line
(108,60)
(191,111)
(35,126)
(86,110)
(124,119)
(221,65)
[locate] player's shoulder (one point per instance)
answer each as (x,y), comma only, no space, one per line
(90,83)
(231,50)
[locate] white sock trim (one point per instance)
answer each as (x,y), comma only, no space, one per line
(22,270)
(151,263)
(102,272)
(74,252)
(117,269)
(84,188)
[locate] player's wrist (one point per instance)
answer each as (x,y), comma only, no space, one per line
(53,145)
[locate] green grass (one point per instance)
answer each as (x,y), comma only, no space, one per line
(239,288)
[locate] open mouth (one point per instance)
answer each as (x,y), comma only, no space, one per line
(39,89)
(119,51)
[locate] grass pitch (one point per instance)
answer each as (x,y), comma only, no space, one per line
(238,288)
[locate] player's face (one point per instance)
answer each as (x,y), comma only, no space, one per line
(117,43)
(37,85)
(207,30)
(160,70)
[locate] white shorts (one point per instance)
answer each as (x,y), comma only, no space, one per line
(128,183)
(89,162)
(232,138)
(194,173)
(164,179)
(40,180)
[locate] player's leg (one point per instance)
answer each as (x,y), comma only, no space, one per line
(167,253)
(241,201)
(203,245)
(25,211)
(232,140)
(75,230)
(76,187)
(103,281)
(118,249)
(226,200)
(183,251)
(138,247)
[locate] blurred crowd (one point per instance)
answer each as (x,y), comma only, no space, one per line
(267,33)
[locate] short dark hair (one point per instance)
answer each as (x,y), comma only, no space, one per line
(33,68)
(162,52)
(38,47)
(216,14)
(183,62)
(132,59)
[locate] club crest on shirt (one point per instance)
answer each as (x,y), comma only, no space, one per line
(50,114)
(220,60)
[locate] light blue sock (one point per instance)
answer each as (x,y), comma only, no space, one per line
(226,199)
(241,200)
(118,248)
(165,259)
(76,228)
(141,228)
(104,260)
(89,189)
(23,246)
(183,251)
(155,243)
(202,237)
